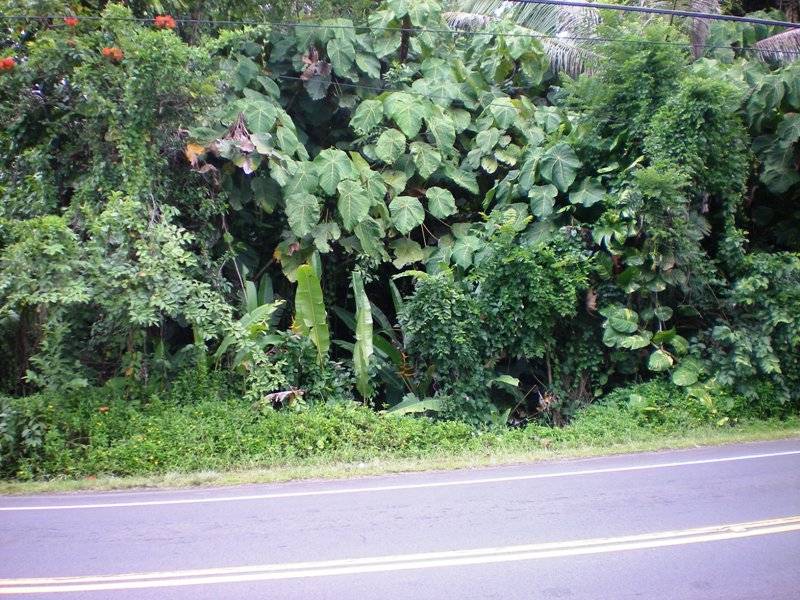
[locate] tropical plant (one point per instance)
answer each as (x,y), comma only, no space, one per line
(564,235)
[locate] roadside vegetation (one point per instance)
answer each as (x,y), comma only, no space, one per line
(207,428)
(400,230)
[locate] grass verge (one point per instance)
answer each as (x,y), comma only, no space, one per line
(532,444)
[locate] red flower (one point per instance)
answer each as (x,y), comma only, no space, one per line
(164,22)
(8,64)
(114,53)
(71,21)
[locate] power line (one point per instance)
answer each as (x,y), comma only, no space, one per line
(416,30)
(569,3)
(660,11)
(194,21)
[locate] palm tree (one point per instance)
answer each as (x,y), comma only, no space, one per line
(783,47)
(568,31)
(558,26)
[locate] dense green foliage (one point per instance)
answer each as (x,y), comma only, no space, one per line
(199,426)
(390,213)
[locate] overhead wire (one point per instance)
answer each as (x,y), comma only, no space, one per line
(659,11)
(417,30)
(568,3)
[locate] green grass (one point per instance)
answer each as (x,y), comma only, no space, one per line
(516,447)
(95,441)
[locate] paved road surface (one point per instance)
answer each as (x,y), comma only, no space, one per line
(712,523)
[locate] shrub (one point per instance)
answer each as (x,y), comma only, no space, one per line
(101,433)
(664,406)
(524,291)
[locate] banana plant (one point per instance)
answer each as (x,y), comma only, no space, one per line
(310,318)
(392,366)
(362,351)
(261,312)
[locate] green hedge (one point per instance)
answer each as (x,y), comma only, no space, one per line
(101,432)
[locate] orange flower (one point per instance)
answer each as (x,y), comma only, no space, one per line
(164,22)
(70,21)
(103,409)
(8,64)
(113,53)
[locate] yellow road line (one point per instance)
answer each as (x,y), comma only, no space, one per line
(402,562)
(387,488)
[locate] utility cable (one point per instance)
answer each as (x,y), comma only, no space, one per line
(660,11)
(416,30)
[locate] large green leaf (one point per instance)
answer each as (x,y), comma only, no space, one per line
(260,115)
(624,320)
(398,7)
(304,178)
(406,252)
(442,129)
(342,54)
(287,140)
(664,313)
(407,213)
(412,404)
(362,350)
(395,179)
(548,118)
(503,112)
(419,11)
(386,43)
(659,361)
(369,64)
(353,203)
(542,200)
(426,158)
(687,372)
(589,192)
(405,110)
(441,203)
(487,139)
(310,316)
(788,131)
(256,323)
(368,114)
(324,234)
(685,376)
(464,248)
(333,166)
(461,178)
(245,71)
(635,342)
(369,233)
(559,166)
(302,212)
(317,86)
(266,193)
(390,146)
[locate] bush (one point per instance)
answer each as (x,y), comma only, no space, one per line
(102,433)
(107,431)
(664,406)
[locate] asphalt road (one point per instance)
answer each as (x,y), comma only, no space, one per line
(711,523)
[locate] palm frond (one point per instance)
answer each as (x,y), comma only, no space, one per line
(557,24)
(783,47)
(466,21)
(698,28)
(568,56)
